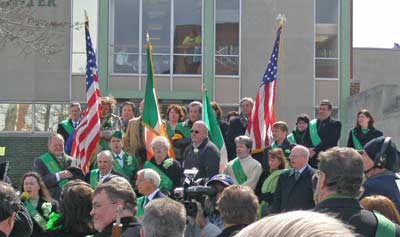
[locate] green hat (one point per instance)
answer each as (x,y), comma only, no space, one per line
(117,134)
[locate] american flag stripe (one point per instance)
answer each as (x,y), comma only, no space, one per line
(87,134)
(263,114)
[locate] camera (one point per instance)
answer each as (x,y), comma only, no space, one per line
(193,190)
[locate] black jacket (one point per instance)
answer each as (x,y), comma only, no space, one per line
(363,138)
(350,212)
(130,227)
(329,132)
(235,129)
(291,194)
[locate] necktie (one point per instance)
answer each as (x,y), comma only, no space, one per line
(119,159)
(297,175)
(146,200)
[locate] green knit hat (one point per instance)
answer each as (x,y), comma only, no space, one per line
(117,134)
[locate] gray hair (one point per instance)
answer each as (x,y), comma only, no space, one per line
(246,99)
(304,151)
(246,140)
(161,140)
(196,104)
(105,153)
(164,218)
(149,174)
(297,223)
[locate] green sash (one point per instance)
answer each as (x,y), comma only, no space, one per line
(140,208)
(165,183)
(271,181)
(291,138)
(53,167)
(274,145)
(385,228)
(67,126)
(35,215)
(356,142)
(94,178)
(315,139)
(103,143)
(238,171)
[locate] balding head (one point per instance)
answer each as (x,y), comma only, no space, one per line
(55,144)
(199,132)
(299,157)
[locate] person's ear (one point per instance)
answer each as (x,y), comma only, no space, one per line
(11,219)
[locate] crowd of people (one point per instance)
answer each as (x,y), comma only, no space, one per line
(303,184)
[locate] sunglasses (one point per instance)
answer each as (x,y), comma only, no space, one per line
(194,131)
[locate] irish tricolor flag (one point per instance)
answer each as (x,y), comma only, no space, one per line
(214,132)
(151,117)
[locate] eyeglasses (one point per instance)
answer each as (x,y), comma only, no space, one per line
(194,131)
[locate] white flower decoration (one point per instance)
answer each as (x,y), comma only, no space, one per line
(167,163)
(46,208)
(195,151)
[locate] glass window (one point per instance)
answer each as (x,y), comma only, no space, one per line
(326,46)
(78,33)
(187,36)
(160,64)
(326,68)
(227,17)
(47,116)
(16,117)
(327,11)
(126,36)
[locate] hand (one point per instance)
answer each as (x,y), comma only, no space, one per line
(65,174)
(200,219)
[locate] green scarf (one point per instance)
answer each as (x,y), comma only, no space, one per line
(165,183)
(238,171)
(53,167)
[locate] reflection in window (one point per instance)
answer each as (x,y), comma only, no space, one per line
(187,36)
(160,64)
(126,39)
(47,116)
(16,117)
(326,68)
(227,14)
(326,11)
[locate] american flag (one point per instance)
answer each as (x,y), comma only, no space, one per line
(88,132)
(263,114)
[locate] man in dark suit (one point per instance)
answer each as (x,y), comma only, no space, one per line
(68,125)
(324,132)
(147,183)
(52,165)
(338,185)
(104,170)
(294,189)
(237,126)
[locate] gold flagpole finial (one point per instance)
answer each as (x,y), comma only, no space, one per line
(281,18)
(86,17)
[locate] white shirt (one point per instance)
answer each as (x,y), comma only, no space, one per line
(102,177)
(120,161)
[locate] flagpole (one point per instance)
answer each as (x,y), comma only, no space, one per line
(281,21)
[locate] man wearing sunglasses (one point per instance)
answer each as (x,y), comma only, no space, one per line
(201,153)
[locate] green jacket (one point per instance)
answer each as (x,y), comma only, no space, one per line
(129,168)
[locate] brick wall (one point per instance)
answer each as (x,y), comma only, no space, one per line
(21,151)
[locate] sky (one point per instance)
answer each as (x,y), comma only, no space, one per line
(376,23)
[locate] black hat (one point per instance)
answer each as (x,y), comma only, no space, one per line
(374,147)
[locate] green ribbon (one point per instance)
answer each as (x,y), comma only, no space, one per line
(238,171)
(291,138)
(53,167)
(35,215)
(385,228)
(356,142)
(67,126)
(165,183)
(94,178)
(315,139)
